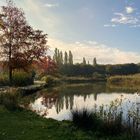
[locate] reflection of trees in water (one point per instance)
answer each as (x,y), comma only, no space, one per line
(49,101)
(64,102)
(63,97)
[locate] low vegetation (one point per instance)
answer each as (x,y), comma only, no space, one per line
(85,119)
(21,125)
(9,100)
(109,120)
(20,78)
(125,80)
(50,80)
(104,122)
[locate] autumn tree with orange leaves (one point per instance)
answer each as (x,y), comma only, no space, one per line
(46,66)
(20,44)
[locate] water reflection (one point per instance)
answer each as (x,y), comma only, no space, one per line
(57,103)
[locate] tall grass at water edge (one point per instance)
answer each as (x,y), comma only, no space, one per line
(109,119)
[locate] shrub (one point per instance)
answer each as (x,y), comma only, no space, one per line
(114,126)
(4,80)
(85,119)
(50,80)
(21,78)
(97,75)
(9,101)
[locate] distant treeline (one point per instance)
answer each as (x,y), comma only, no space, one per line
(66,67)
(90,70)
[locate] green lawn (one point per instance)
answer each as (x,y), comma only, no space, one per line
(25,125)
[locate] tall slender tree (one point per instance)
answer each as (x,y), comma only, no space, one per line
(55,56)
(84,61)
(58,57)
(70,58)
(94,62)
(66,58)
(61,57)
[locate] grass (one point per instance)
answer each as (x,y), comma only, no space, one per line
(21,125)
(79,79)
(124,80)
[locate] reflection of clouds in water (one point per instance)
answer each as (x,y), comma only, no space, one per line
(38,107)
(59,109)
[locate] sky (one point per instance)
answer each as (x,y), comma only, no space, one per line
(106,29)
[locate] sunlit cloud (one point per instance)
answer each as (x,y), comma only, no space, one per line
(129,9)
(110,25)
(129,17)
(91,49)
(124,19)
(49,5)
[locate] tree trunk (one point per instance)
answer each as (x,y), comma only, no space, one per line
(10,75)
(10,68)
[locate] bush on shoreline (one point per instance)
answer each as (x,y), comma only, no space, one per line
(20,78)
(9,100)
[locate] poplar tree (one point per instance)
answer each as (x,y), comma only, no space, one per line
(84,61)
(61,57)
(94,62)
(66,58)
(70,58)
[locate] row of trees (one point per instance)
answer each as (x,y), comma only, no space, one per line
(90,70)
(63,58)
(67,58)
(94,62)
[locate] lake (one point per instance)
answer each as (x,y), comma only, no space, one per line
(57,102)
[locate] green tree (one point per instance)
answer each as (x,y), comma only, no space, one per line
(58,57)
(61,57)
(84,61)
(94,62)
(55,56)
(70,58)
(66,58)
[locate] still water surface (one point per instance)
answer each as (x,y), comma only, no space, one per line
(58,102)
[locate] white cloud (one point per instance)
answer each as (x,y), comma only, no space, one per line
(49,5)
(124,19)
(128,17)
(91,49)
(110,25)
(129,9)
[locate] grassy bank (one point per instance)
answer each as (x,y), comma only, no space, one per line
(21,125)
(83,79)
(125,81)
